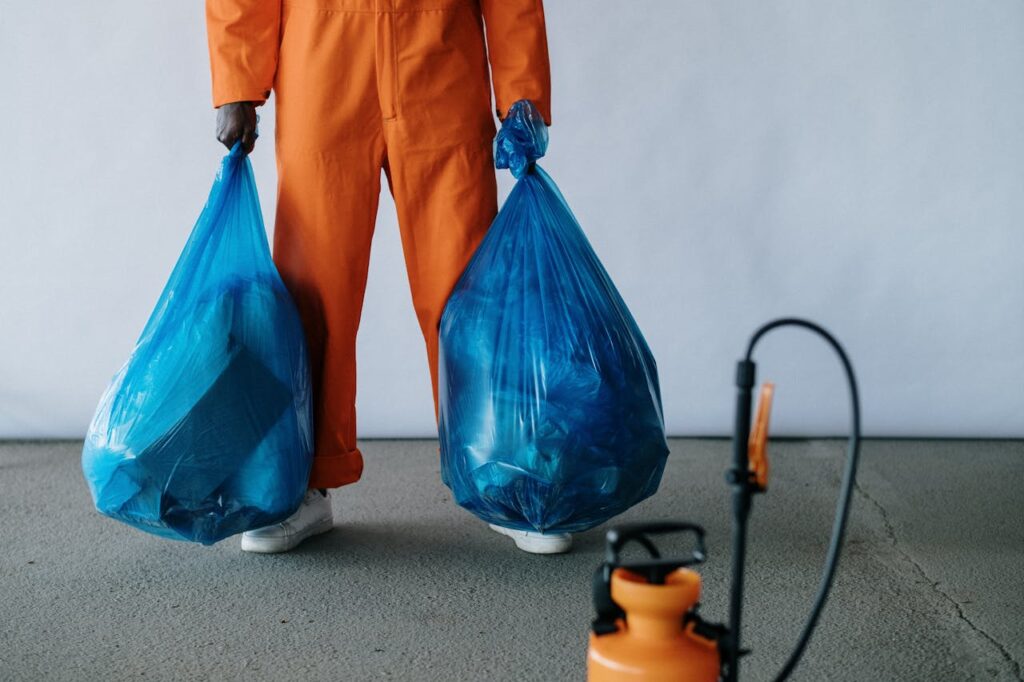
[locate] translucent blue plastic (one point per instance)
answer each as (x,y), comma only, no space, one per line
(550,409)
(206,431)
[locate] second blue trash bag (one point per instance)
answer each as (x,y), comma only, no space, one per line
(549,405)
(206,431)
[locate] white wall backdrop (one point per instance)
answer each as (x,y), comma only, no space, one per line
(859,162)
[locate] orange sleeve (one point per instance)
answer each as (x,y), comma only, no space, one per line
(517,47)
(244,37)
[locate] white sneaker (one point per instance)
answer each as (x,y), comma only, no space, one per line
(313,517)
(537,543)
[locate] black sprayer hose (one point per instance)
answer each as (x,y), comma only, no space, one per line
(845,493)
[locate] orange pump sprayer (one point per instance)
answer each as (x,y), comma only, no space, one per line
(647,626)
(649,629)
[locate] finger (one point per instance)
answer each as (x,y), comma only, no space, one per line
(228,136)
(248,140)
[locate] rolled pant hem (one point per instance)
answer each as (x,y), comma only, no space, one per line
(334,471)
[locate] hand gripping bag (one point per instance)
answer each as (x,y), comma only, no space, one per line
(549,406)
(206,431)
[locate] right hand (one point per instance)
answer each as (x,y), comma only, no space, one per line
(237,121)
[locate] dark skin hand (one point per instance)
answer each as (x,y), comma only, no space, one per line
(237,121)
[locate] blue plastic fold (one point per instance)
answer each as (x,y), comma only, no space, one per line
(522,140)
(549,405)
(206,431)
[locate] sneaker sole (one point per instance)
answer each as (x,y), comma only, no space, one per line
(536,545)
(260,545)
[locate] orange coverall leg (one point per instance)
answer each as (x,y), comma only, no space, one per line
(366,85)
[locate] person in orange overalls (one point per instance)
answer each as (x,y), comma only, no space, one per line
(361,86)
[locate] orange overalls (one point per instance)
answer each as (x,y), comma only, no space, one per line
(365,85)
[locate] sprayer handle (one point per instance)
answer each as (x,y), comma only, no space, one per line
(654,570)
(657,567)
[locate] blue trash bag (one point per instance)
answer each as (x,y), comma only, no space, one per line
(549,406)
(206,431)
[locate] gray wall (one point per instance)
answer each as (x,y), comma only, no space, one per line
(857,162)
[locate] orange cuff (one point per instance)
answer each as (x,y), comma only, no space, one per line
(334,471)
(228,97)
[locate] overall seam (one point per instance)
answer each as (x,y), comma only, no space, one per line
(329,10)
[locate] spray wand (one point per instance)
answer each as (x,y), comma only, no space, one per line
(746,484)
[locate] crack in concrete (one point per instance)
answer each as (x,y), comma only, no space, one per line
(890,531)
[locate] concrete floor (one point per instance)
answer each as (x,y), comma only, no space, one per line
(410,587)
